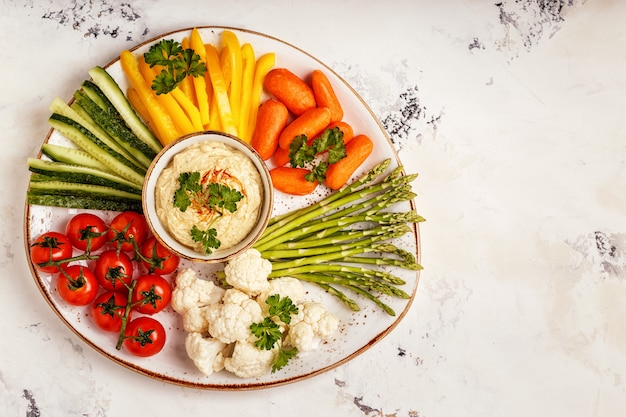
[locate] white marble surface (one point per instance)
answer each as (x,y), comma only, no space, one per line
(513,114)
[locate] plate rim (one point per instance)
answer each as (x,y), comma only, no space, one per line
(251,384)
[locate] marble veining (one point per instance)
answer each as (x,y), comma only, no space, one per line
(510,111)
(101,18)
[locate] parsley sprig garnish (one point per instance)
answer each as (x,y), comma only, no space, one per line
(302,154)
(207,237)
(178,63)
(213,196)
(268,332)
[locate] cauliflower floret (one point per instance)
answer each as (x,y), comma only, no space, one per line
(312,324)
(248,272)
(195,319)
(207,353)
(285,287)
(230,320)
(248,361)
(191,291)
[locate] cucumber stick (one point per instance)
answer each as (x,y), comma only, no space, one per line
(81,190)
(72,156)
(78,174)
(86,140)
(116,96)
(85,196)
(78,115)
(82,202)
(101,110)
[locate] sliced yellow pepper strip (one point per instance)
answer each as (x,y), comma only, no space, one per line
(214,117)
(231,44)
(189,108)
(180,119)
(248,61)
(263,65)
(214,122)
(135,101)
(165,128)
(219,90)
(227,71)
(187,84)
(199,83)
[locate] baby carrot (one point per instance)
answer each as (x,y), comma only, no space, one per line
(271,120)
(281,157)
(310,123)
(357,151)
(348,132)
(291,180)
(325,95)
(290,89)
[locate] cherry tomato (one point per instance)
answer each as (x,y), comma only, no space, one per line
(125,226)
(114,271)
(158,259)
(107,311)
(50,246)
(77,285)
(145,336)
(86,229)
(152,293)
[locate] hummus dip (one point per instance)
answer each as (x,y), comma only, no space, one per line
(217,163)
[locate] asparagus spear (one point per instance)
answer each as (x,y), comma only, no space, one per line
(342,239)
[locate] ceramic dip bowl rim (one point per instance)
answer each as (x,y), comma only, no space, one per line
(162,160)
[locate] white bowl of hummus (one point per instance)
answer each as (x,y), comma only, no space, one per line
(207,196)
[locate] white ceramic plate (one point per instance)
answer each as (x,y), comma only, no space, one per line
(358,330)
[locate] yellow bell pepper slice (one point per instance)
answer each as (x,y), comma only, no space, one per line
(220,90)
(140,108)
(187,84)
(232,47)
(263,65)
(180,119)
(163,124)
(199,83)
(227,70)
(188,107)
(214,117)
(248,61)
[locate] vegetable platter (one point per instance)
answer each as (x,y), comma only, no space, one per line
(358,330)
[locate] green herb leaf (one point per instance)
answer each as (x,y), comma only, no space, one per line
(163,53)
(189,184)
(193,66)
(299,152)
(284,355)
(281,307)
(318,172)
(178,63)
(267,333)
(207,237)
(214,196)
(331,140)
(302,155)
(221,196)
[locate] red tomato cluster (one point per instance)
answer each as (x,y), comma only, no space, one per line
(118,269)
